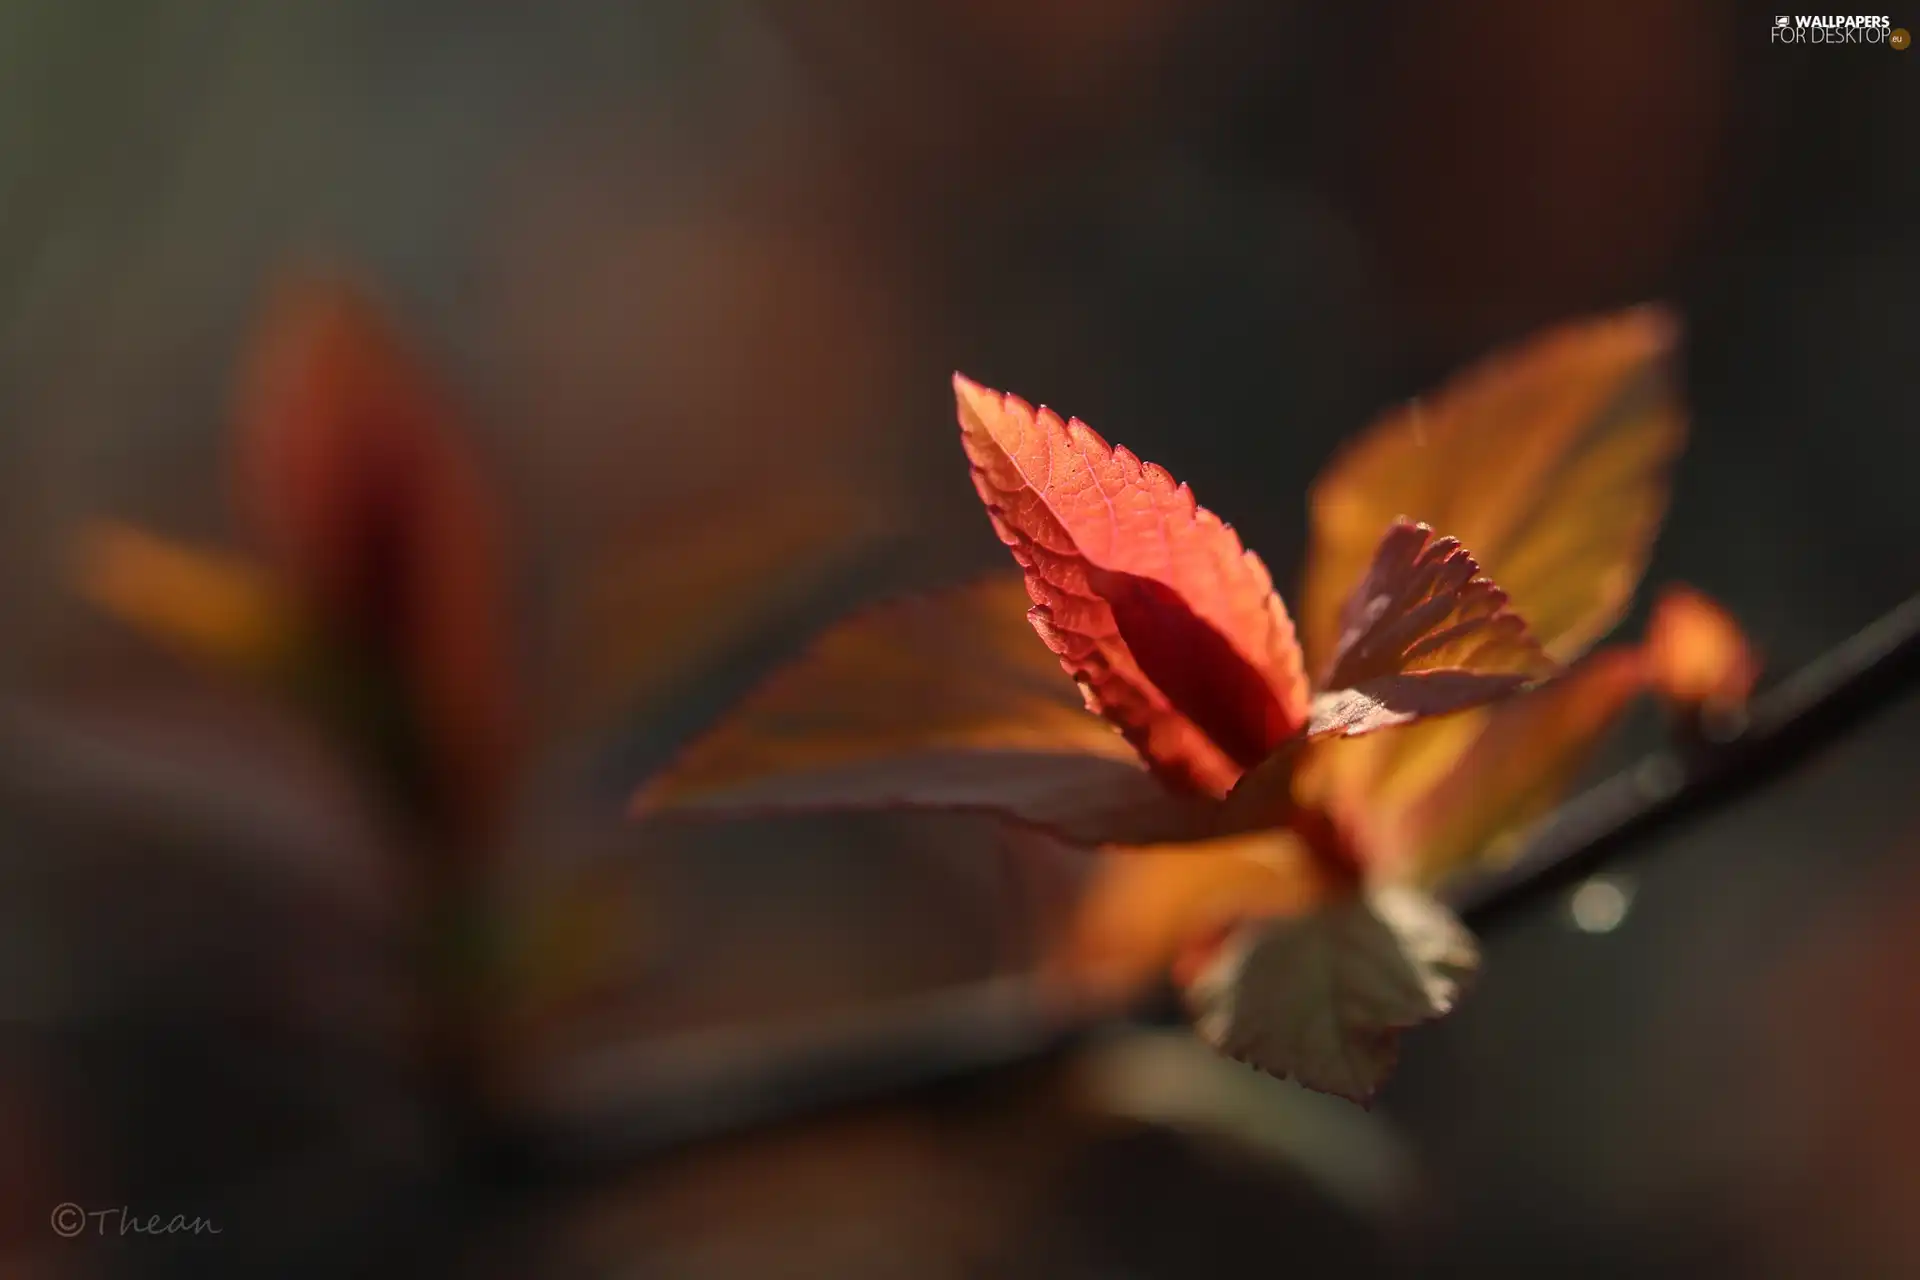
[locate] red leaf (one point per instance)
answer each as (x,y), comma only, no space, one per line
(352,476)
(1423,634)
(1171,628)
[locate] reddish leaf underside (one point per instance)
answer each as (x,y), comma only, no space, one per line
(1422,634)
(1171,628)
(943,701)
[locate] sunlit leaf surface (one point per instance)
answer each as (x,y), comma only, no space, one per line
(1170,626)
(943,701)
(1549,459)
(1532,748)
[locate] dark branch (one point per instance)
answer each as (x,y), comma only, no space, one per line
(1782,727)
(903,1049)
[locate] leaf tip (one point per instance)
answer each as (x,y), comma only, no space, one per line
(975,398)
(1657,324)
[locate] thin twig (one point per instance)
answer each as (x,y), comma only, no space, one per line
(1804,713)
(632,1100)
(897,1050)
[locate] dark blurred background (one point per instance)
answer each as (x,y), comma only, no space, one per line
(680,260)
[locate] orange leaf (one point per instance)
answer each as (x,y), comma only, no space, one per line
(1145,911)
(205,603)
(1550,459)
(1171,628)
(351,476)
(1515,771)
(939,702)
(1423,634)
(1697,652)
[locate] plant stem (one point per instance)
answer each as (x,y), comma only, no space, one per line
(1807,711)
(896,1050)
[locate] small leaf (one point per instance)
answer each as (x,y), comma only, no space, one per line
(354,481)
(1697,654)
(939,702)
(1322,998)
(1550,459)
(1423,634)
(1171,628)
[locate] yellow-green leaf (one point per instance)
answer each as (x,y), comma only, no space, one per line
(1322,998)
